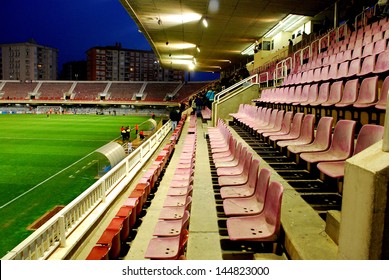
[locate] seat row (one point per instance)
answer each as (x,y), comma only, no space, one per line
(251,203)
(372,64)
(109,245)
(339,95)
(297,136)
(171,231)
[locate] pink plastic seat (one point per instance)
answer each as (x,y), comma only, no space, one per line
(246,189)
(381,104)
(323,94)
(249,205)
(333,72)
(350,93)
(343,70)
(368,65)
(382,63)
(234,169)
(277,123)
(267,123)
(342,144)
(367,96)
(230,155)
(354,68)
(295,129)
(304,95)
(285,126)
(312,95)
(335,94)
(306,136)
(170,227)
(238,179)
(322,139)
(261,227)
(167,248)
(367,50)
(380,46)
(367,136)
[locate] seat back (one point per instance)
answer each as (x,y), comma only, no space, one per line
(335,92)
(273,117)
(343,70)
(379,46)
(343,138)
(382,63)
(368,49)
(304,94)
(262,185)
(279,119)
(367,136)
(368,91)
(313,93)
(381,104)
(253,173)
(295,128)
(333,71)
(367,65)
(354,67)
(350,92)
(324,91)
(323,133)
(272,207)
(287,120)
(307,128)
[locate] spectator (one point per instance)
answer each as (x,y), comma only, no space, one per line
(290,49)
(175,117)
(141,135)
(199,104)
(128,130)
(129,147)
(136,129)
(210,95)
(153,116)
(123,133)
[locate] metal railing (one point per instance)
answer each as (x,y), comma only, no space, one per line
(55,232)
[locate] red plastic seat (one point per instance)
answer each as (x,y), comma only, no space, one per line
(249,205)
(367,136)
(342,144)
(261,227)
(306,136)
(111,238)
(99,252)
(322,139)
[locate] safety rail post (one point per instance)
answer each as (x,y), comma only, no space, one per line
(62,231)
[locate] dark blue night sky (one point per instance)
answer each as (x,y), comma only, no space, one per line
(71,26)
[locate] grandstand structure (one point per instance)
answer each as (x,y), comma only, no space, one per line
(104,93)
(290,163)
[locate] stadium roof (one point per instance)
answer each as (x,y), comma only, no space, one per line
(177,35)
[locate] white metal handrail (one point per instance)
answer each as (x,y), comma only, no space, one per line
(252,79)
(54,233)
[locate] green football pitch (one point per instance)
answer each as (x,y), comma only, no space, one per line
(47,162)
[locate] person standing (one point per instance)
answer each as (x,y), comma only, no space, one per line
(175,117)
(141,135)
(123,133)
(128,130)
(136,129)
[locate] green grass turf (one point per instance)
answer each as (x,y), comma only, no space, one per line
(33,148)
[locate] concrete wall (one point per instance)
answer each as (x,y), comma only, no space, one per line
(230,103)
(364,228)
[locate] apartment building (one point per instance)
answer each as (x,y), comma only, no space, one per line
(114,63)
(28,61)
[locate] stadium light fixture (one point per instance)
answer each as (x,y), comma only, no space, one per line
(285,24)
